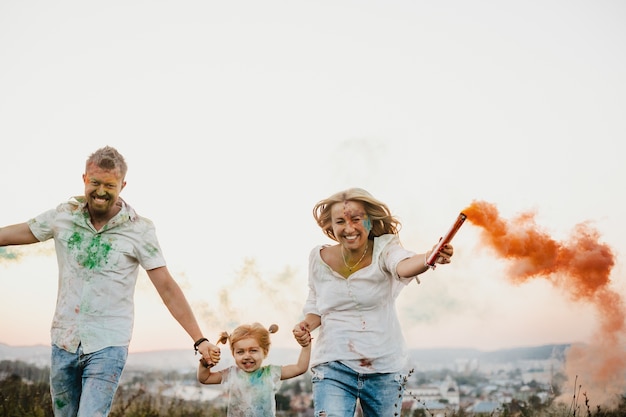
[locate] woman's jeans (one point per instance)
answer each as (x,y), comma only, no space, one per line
(336,388)
(83,385)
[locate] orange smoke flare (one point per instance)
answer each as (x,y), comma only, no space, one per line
(586,262)
(582,268)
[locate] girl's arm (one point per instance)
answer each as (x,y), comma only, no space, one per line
(290,371)
(205,376)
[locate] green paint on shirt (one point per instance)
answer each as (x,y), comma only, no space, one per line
(90,251)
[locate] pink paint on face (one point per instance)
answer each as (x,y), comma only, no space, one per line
(351,224)
(356,215)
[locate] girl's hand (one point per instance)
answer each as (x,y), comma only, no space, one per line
(211,356)
(205,364)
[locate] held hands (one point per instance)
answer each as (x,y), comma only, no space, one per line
(210,354)
(302,334)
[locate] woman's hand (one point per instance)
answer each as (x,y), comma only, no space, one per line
(302,334)
(445,254)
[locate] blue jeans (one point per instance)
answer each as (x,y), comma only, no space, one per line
(336,388)
(83,385)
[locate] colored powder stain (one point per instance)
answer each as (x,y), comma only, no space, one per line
(366,362)
(151,249)
(5,254)
(75,241)
(355,216)
(91,254)
(367,223)
(60,404)
(256,378)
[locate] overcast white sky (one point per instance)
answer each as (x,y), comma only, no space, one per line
(237,117)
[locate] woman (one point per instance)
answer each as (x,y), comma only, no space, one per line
(353,285)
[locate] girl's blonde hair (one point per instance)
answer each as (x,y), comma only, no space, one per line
(383,222)
(255,331)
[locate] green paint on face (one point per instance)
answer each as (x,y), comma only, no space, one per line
(92,253)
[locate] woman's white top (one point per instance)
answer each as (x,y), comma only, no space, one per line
(360,326)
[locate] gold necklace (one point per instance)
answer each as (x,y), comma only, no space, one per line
(350,268)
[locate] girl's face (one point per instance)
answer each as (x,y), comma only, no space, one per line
(351,224)
(248,354)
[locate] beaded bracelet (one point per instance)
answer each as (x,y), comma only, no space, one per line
(195,345)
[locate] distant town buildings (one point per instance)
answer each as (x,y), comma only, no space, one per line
(439,399)
(441,383)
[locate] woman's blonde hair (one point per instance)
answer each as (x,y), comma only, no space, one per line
(255,331)
(383,222)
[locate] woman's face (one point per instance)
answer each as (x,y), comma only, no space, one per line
(248,354)
(351,224)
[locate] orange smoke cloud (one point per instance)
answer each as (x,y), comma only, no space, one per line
(581,267)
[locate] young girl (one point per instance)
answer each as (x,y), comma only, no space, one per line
(252,387)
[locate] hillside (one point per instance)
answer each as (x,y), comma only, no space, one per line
(182,359)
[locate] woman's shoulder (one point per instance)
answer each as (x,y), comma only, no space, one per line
(385,243)
(317,250)
(384,240)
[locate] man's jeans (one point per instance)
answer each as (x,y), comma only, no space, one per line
(83,385)
(336,388)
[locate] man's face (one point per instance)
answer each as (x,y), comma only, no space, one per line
(102,188)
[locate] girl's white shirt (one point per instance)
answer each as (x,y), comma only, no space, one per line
(252,394)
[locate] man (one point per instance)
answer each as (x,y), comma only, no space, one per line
(100,243)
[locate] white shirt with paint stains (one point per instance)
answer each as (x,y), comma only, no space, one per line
(97,273)
(360,326)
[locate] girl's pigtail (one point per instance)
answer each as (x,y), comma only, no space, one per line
(223,338)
